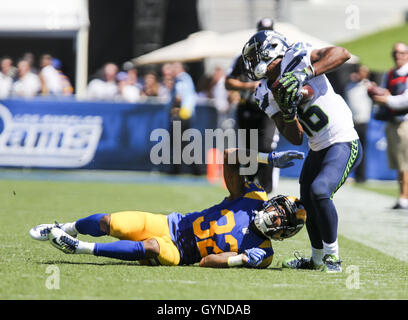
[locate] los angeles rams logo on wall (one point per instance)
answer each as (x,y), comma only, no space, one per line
(58,141)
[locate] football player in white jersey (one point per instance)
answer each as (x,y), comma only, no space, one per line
(326,120)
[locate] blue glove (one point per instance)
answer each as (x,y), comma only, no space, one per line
(255,256)
(283,159)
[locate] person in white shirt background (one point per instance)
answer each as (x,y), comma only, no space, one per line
(6,81)
(51,82)
(105,88)
(360,105)
(28,83)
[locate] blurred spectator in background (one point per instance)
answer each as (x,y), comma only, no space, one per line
(6,81)
(220,96)
(127,91)
(151,86)
(51,82)
(250,116)
(395,99)
(184,95)
(128,83)
(8,68)
(167,81)
(105,88)
(360,104)
(27,84)
(204,88)
(182,108)
(67,88)
(30,58)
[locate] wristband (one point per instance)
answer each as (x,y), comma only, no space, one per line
(263,157)
(235,261)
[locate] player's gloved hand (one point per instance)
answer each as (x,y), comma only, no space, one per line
(286,106)
(283,159)
(255,256)
(291,83)
(288,112)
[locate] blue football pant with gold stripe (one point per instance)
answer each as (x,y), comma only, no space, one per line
(323,173)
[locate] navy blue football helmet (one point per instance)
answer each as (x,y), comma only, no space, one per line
(262,48)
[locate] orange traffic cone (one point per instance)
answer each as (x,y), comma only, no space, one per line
(215,172)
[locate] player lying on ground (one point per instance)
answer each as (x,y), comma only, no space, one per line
(238,231)
(295,92)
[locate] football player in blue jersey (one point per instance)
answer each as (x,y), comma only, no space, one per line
(284,70)
(236,232)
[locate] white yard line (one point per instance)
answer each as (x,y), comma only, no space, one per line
(366,217)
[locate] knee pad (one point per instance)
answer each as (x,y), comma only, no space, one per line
(320,189)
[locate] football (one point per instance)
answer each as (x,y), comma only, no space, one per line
(307,92)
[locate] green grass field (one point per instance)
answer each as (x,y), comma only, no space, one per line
(374,49)
(24,262)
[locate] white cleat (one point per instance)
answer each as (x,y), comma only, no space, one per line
(62,240)
(42,231)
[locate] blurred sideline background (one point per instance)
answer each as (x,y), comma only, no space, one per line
(71,129)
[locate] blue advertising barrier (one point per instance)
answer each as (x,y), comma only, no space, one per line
(65,133)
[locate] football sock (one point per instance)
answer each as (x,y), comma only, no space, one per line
(85,247)
(122,249)
(317,255)
(331,248)
(70,228)
(90,225)
(403,202)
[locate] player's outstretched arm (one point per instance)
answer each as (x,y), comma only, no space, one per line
(327,59)
(250,258)
(236,84)
(219,260)
(235,182)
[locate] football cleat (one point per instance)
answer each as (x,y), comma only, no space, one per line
(331,264)
(62,240)
(299,262)
(42,231)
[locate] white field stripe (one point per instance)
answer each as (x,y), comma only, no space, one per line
(366,217)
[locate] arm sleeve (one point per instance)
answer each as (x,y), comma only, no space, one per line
(399,101)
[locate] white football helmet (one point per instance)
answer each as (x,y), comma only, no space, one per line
(261,49)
